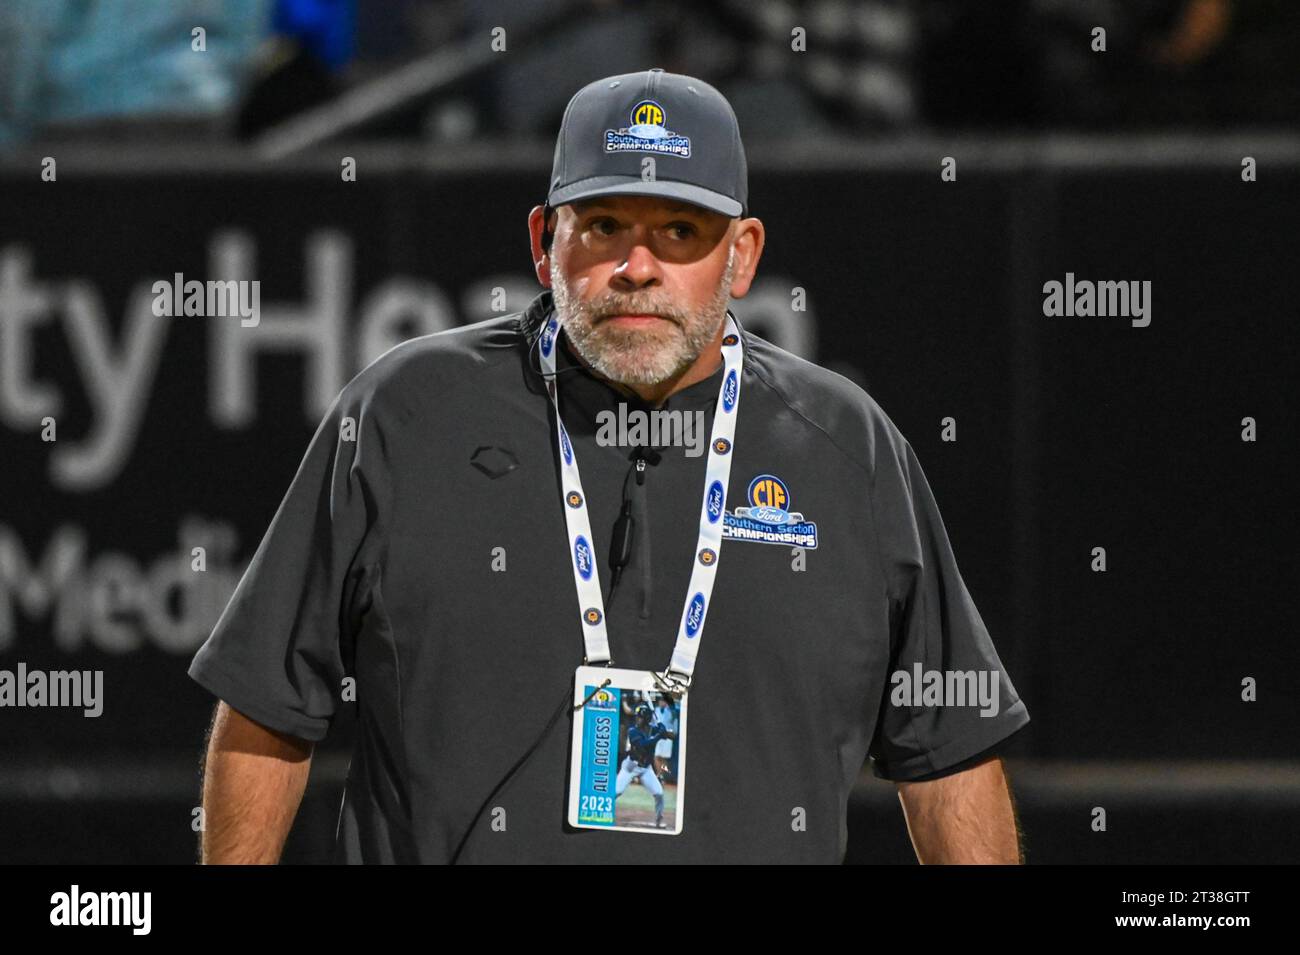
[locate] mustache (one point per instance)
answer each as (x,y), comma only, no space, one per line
(601,312)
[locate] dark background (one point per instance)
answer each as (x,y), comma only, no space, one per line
(1072,433)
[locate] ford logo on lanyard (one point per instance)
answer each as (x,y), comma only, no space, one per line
(565,446)
(715,502)
(729,391)
(582,557)
(695,615)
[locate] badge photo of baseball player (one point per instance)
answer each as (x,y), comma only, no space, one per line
(647,803)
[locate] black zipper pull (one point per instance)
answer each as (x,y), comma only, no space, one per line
(621,545)
(640,471)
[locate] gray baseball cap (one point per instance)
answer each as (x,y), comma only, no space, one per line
(611,125)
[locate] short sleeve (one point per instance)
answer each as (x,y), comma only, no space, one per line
(279,650)
(946,695)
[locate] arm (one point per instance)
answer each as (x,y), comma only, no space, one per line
(253,782)
(967,817)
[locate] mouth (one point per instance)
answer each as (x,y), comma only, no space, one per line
(634,319)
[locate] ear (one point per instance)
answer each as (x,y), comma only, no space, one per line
(749,239)
(541,240)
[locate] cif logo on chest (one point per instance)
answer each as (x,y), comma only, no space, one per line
(768,518)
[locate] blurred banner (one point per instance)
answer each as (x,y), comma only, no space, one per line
(132,440)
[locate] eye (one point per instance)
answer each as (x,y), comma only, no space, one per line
(688,230)
(596,224)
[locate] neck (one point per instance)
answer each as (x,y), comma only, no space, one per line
(709,361)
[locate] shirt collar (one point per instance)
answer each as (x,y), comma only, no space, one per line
(589,394)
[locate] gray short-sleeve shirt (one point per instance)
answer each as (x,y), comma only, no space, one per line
(422,550)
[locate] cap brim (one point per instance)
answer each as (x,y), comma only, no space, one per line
(633,186)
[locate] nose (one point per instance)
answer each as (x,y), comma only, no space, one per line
(640,268)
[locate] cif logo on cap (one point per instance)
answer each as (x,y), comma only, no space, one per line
(769,499)
(729,391)
(647,119)
(646,132)
(582,557)
(695,615)
(714,502)
(548,336)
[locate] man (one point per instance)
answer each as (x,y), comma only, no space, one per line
(421,552)
(638,764)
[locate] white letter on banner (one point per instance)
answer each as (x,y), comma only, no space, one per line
(315,329)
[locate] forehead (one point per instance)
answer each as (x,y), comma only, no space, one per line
(642,205)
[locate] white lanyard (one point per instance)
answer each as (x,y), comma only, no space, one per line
(707,550)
